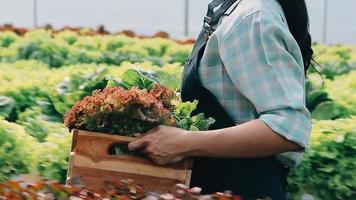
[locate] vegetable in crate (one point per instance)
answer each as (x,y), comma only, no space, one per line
(135,103)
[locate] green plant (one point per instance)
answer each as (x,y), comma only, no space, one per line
(185,120)
(51,156)
(67,47)
(16,149)
(20,153)
(135,103)
(35,123)
(28,84)
(35,93)
(335,60)
(73,88)
(319,101)
(329,168)
(7,106)
(24,98)
(343,91)
(316,93)
(7,38)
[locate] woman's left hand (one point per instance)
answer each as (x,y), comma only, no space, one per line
(163,144)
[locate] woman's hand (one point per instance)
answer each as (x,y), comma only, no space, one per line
(163,144)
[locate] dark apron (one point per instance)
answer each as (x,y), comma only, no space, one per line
(249,177)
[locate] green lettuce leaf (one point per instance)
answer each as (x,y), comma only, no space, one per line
(185,109)
(139,79)
(185,121)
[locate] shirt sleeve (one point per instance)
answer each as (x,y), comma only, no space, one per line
(265,64)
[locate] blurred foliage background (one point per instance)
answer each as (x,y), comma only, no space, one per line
(43,73)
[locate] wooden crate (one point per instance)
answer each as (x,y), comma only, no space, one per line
(91,162)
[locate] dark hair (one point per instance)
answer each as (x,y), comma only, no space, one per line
(298,21)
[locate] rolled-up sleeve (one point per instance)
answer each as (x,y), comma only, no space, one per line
(264,63)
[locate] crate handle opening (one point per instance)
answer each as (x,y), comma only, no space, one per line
(119,149)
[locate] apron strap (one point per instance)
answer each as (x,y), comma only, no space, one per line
(191,85)
(212,17)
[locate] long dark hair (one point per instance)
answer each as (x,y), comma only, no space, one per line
(298,21)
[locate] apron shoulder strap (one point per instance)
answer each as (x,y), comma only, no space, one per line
(212,17)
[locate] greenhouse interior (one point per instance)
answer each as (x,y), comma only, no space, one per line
(178,99)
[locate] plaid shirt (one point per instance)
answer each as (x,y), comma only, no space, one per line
(254,67)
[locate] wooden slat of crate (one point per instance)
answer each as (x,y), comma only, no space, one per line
(101,177)
(91,162)
(129,167)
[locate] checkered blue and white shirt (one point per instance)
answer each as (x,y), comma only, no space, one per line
(254,67)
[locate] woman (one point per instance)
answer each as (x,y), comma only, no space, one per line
(247,70)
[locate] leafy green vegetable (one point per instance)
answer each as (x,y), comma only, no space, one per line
(67,48)
(342,90)
(7,106)
(335,59)
(328,110)
(33,122)
(114,82)
(328,171)
(7,38)
(200,122)
(15,150)
(135,103)
(185,109)
(32,66)
(74,87)
(51,157)
(139,79)
(184,119)
(321,103)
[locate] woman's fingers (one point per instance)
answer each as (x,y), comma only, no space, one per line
(162,160)
(141,142)
(195,190)
(137,144)
(158,160)
(157,146)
